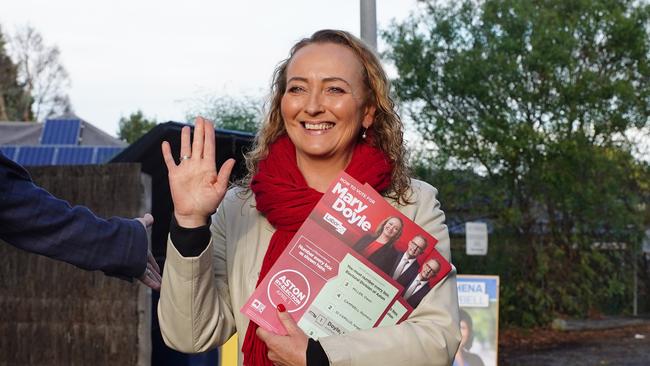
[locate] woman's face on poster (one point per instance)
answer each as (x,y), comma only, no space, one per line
(392,227)
(464,332)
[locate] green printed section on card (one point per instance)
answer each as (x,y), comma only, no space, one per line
(393,315)
(354,299)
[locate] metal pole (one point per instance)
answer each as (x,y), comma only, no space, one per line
(635,305)
(369,23)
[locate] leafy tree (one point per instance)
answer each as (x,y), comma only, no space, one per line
(13,97)
(538,96)
(40,72)
(135,126)
(239,114)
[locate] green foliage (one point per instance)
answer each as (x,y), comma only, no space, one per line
(239,114)
(15,101)
(537,97)
(134,127)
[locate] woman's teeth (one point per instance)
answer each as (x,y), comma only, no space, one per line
(319,126)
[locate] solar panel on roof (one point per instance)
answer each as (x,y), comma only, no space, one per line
(9,151)
(104,154)
(35,155)
(74,155)
(61,132)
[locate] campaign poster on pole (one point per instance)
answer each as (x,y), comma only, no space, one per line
(478,297)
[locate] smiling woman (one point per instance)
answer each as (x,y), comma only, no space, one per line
(388,231)
(324,108)
(330,111)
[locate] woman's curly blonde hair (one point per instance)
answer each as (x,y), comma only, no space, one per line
(385,132)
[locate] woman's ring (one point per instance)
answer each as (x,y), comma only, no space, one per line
(184,157)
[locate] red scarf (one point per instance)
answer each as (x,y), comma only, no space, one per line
(283,196)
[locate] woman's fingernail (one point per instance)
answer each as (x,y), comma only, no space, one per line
(281,308)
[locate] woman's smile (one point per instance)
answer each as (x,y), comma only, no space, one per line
(324,107)
(317,128)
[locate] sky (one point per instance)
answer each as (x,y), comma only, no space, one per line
(162,56)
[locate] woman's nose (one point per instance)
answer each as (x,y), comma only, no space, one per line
(314,104)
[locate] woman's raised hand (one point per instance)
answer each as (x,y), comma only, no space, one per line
(197,189)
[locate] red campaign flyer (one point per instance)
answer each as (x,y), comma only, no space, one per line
(355,263)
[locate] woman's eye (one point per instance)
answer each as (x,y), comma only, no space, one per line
(335,90)
(295,89)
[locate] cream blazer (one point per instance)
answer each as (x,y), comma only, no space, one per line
(200,297)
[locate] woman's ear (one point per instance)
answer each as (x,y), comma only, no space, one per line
(368,116)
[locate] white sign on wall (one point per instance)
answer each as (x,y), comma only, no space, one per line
(476,238)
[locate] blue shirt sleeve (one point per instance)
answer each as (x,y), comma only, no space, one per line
(33,220)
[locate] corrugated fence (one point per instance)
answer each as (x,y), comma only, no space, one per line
(52,313)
